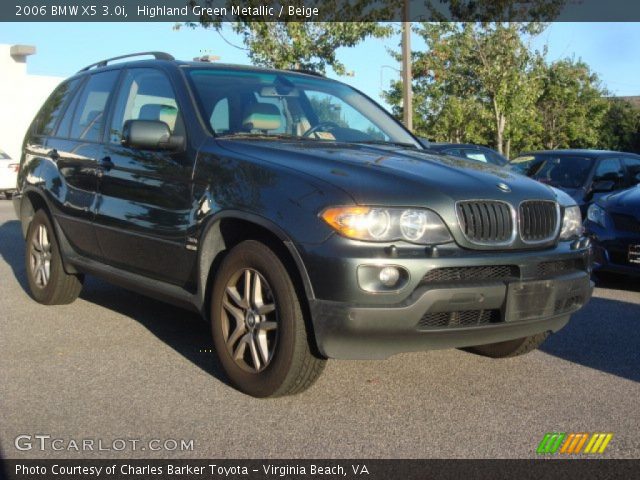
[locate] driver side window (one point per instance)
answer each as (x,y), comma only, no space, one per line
(146,94)
(610,169)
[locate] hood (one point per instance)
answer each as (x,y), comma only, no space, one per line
(393,176)
(623,201)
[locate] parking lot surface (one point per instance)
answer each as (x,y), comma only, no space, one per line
(116,365)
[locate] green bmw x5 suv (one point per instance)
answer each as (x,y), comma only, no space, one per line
(294,214)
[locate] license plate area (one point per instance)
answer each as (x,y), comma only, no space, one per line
(545,298)
(634,254)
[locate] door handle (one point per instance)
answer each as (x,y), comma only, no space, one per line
(53,154)
(106,164)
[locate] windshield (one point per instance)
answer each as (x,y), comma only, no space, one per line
(276,104)
(556,170)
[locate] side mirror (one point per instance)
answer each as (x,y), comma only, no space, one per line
(150,135)
(603,186)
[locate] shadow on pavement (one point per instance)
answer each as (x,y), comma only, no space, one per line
(605,335)
(12,250)
(617,282)
(182,330)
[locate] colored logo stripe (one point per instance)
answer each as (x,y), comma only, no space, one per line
(550,443)
(573,443)
(598,442)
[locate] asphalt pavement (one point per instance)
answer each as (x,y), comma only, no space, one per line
(114,367)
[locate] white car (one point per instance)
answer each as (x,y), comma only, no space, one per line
(8,174)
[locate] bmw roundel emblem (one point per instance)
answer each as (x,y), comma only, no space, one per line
(504,187)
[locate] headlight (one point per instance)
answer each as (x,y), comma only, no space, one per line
(596,214)
(571,223)
(415,225)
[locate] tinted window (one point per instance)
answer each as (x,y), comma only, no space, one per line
(146,94)
(566,171)
(64,127)
(88,119)
(610,169)
(52,109)
(282,104)
(220,116)
(633,168)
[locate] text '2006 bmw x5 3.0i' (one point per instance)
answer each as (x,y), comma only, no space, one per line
(293,213)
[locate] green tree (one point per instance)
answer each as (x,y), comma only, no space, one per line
(621,126)
(572,106)
(305,44)
(475,80)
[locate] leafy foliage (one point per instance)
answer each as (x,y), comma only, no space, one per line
(483,83)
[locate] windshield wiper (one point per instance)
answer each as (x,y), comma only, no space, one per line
(276,136)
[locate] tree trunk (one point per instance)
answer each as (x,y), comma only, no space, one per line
(507,150)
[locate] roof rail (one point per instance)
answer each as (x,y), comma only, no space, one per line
(305,71)
(103,63)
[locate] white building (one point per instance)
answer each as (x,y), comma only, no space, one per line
(21,95)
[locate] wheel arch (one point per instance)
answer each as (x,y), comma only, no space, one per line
(225,230)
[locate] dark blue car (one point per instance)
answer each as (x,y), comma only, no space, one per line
(586,175)
(613,222)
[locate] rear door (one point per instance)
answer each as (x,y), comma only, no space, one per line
(74,144)
(144,202)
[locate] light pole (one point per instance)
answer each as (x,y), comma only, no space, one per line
(407,101)
(382,69)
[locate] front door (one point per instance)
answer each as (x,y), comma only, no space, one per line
(144,200)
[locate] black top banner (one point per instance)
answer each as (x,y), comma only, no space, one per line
(214,11)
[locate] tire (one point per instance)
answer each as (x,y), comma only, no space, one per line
(261,339)
(48,282)
(510,348)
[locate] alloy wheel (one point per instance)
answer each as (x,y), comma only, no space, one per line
(249,320)
(40,259)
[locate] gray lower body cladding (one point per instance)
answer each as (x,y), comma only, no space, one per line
(459,313)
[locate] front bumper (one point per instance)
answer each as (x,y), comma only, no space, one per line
(522,308)
(447,313)
(611,249)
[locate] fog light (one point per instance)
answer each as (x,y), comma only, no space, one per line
(389,276)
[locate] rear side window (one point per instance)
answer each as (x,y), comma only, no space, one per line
(89,116)
(53,107)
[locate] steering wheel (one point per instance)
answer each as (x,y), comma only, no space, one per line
(322,126)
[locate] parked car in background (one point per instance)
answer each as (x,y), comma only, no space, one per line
(613,222)
(467,150)
(8,174)
(586,175)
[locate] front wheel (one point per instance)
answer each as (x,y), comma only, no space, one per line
(259,329)
(510,348)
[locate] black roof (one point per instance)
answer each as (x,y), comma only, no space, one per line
(583,152)
(165,58)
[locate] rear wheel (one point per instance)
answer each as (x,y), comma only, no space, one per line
(259,329)
(48,282)
(510,348)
